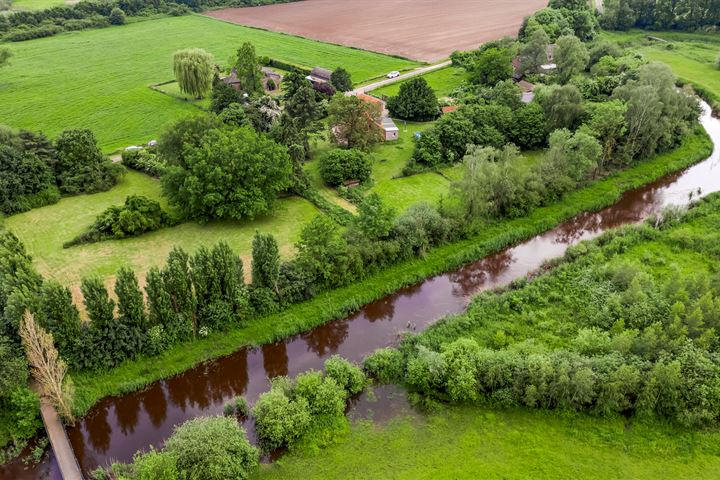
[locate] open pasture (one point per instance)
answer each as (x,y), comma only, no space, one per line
(99,79)
(423,30)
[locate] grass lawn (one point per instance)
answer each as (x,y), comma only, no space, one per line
(475,442)
(443,81)
(692,56)
(43,231)
(99,78)
(173,90)
(35,4)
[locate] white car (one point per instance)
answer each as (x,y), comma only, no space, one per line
(394,74)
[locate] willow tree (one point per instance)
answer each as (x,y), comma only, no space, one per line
(193,69)
(48,369)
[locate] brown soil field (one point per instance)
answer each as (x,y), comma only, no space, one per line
(427,30)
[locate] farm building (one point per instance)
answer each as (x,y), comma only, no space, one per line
(527,89)
(392,132)
(268,75)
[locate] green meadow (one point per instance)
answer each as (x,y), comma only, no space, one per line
(692,56)
(100,79)
(443,81)
(477,442)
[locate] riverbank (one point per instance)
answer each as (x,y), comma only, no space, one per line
(131,376)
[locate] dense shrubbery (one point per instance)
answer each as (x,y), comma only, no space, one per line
(338,166)
(660,14)
(615,329)
(144,160)
(212,448)
(34,171)
(138,215)
(291,409)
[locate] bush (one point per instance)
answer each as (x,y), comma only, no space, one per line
(324,396)
(386,365)
(339,166)
(278,419)
(349,376)
(144,161)
(212,448)
(80,165)
(138,215)
(117,17)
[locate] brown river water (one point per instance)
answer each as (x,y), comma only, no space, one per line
(117,427)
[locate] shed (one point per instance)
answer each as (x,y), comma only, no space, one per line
(392,132)
(319,75)
(232,80)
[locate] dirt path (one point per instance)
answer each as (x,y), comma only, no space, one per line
(427,30)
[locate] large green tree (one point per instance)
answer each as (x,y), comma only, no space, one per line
(491,66)
(415,101)
(80,166)
(354,123)
(248,69)
(571,57)
(230,174)
(341,80)
(193,69)
(265,261)
(534,52)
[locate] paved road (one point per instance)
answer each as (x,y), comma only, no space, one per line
(404,76)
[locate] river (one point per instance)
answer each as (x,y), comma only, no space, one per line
(117,427)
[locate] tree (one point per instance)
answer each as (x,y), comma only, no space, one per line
(222,96)
(340,165)
(212,448)
(575,155)
(26,181)
(341,80)
(131,306)
(265,262)
(5,54)
(116,17)
(354,123)
(528,130)
(534,53)
(571,57)
(98,305)
(492,66)
(248,69)
(303,108)
(59,316)
(48,369)
(232,174)
(193,69)
(415,101)
(279,419)
(563,105)
(322,251)
(234,116)
(180,134)
(375,220)
(607,124)
(177,281)
(80,166)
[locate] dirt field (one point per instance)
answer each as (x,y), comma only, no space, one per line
(427,30)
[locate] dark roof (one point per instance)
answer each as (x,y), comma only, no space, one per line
(321,73)
(270,73)
(231,79)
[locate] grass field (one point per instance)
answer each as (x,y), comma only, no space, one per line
(44,230)
(442,81)
(475,442)
(35,4)
(99,78)
(692,56)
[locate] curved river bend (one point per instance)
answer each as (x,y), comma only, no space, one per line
(117,427)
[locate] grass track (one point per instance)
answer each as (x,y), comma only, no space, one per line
(480,443)
(99,78)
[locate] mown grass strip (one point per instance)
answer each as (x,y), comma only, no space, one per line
(331,305)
